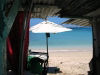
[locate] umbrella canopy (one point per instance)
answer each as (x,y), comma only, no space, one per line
(48,27)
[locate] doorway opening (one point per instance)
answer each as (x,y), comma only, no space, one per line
(70,52)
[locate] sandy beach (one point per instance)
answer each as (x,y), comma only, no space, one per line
(70,62)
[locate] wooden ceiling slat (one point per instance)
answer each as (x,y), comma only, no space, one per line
(50,12)
(85,24)
(77,20)
(81,21)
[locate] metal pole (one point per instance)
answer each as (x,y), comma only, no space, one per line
(47,45)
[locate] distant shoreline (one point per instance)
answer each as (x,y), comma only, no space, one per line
(74,50)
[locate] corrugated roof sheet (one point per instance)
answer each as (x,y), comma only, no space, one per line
(81,22)
(42,11)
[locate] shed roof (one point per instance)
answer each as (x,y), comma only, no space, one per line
(64,8)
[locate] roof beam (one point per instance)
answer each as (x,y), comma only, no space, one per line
(75,16)
(94,13)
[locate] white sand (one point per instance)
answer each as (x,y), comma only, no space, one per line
(70,62)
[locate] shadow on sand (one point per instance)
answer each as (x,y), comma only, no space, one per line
(54,70)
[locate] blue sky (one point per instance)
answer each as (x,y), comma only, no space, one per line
(56,20)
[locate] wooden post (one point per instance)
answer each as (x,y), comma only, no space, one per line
(6,23)
(95,63)
(3,57)
(3,66)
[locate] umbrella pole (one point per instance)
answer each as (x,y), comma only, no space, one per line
(47,36)
(47,45)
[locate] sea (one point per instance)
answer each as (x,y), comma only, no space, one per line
(79,39)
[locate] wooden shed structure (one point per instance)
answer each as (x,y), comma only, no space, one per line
(15,16)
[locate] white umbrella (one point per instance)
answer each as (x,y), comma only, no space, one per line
(48,27)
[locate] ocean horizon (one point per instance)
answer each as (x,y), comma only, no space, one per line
(77,39)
